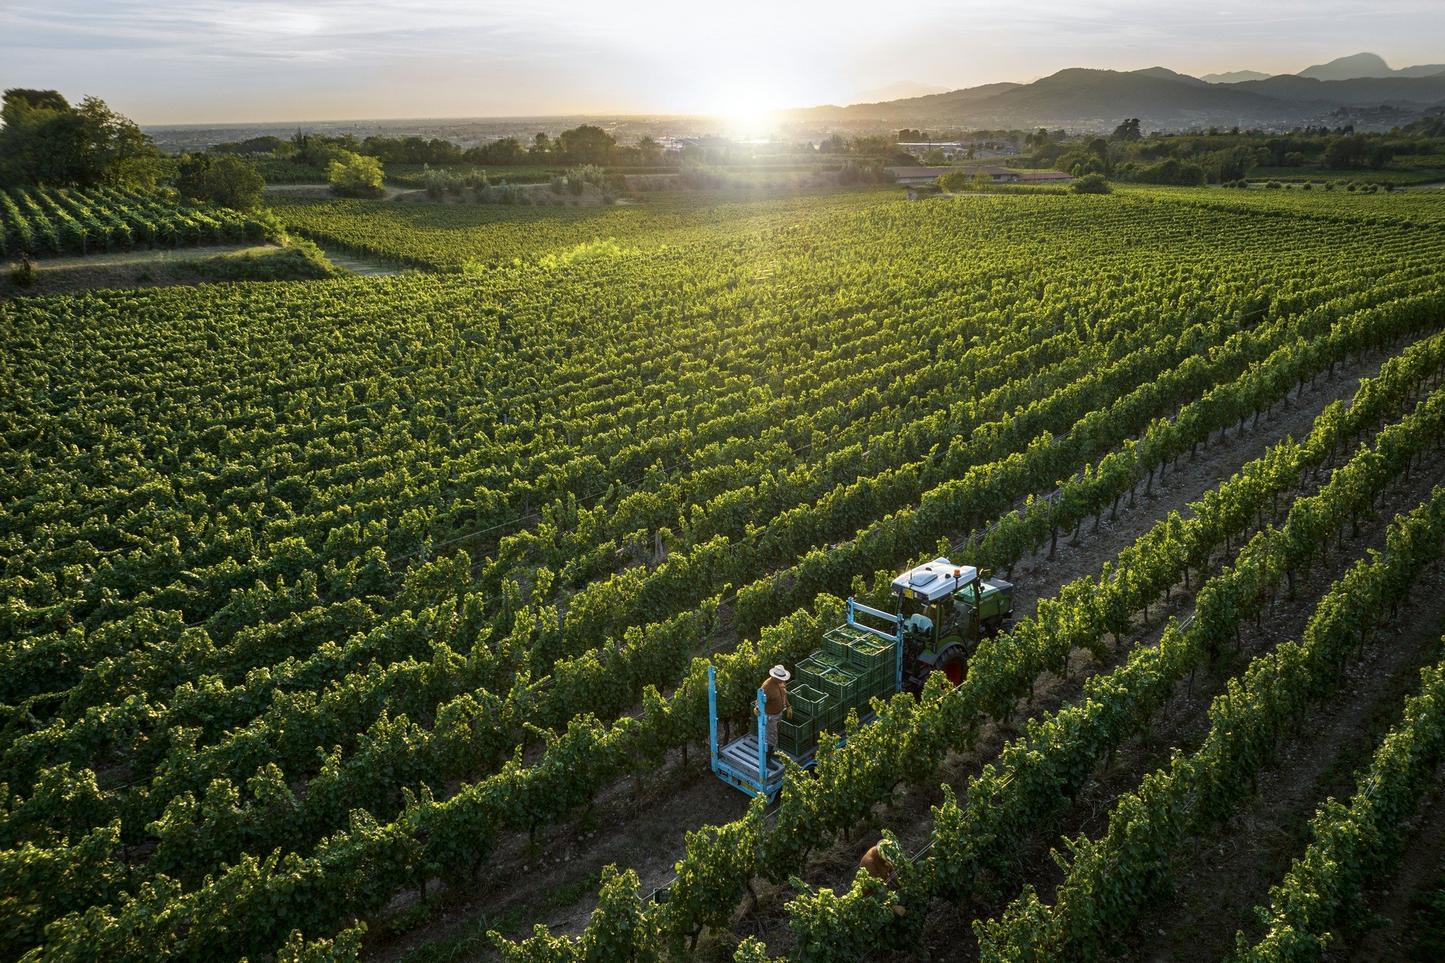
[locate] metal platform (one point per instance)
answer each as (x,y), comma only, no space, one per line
(743,762)
(737,764)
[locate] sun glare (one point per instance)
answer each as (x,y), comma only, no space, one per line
(747,112)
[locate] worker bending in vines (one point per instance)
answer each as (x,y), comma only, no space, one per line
(775,692)
(879,861)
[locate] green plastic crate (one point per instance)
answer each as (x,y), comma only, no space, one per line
(840,684)
(848,634)
(840,641)
(868,653)
(807,701)
(809,672)
(830,720)
(796,737)
(835,649)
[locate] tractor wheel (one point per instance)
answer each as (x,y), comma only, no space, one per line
(953,663)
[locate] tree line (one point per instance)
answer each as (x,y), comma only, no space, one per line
(579,146)
(1222,157)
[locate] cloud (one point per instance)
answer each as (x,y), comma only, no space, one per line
(279,59)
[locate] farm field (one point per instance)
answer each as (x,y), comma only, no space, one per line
(372,615)
(48,223)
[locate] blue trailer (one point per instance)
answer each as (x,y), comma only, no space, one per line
(743,763)
(943,610)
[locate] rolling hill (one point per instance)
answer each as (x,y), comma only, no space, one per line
(1163,98)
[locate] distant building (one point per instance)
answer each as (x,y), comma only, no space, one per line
(999,175)
(918,175)
(921,149)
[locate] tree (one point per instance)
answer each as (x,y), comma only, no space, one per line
(586,145)
(265,144)
(46,142)
(352,175)
(1091,184)
(191,172)
(499,153)
(232,182)
(954,181)
(649,150)
(935,158)
(1346,152)
(541,150)
(1127,131)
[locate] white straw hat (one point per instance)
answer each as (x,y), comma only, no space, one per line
(780,673)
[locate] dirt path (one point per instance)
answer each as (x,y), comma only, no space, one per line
(160,255)
(1219,880)
(322,190)
(643,826)
(158,268)
(1420,872)
(357,264)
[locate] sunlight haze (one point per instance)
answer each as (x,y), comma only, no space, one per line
(282,60)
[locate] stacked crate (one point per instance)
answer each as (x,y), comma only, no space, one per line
(875,663)
(809,707)
(840,685)
(796,738)
(809,672)
(852,667)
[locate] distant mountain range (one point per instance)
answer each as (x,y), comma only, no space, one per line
(1372,95)
(904,88)
(1365,65)
(1235,76)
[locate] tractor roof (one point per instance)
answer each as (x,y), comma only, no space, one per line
(934,580)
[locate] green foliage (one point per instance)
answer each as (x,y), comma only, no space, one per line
(1355,843)
(23,275)
(1127,131)
(223,181)
(585,145)
(1109,878)
(965,180)
(37,222)
(1090,184)
(619,931)
(299,260)
(352,175)
(1170,171)
(355,579)
(45,142)
(345,947)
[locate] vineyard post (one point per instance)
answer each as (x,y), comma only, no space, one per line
(762,741)
(712,709)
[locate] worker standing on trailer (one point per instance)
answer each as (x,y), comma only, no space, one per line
(879,862)
(775,691)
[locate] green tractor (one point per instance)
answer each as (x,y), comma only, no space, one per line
(943,612)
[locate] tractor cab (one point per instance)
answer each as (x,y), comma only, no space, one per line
(943,612)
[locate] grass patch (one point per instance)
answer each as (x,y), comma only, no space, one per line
(296,260)
(300,260)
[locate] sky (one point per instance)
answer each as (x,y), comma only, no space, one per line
(211,61)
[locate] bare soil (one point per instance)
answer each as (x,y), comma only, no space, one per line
(322,190)
(1421,868)
(156,268)
(642,824)
(1219,880)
